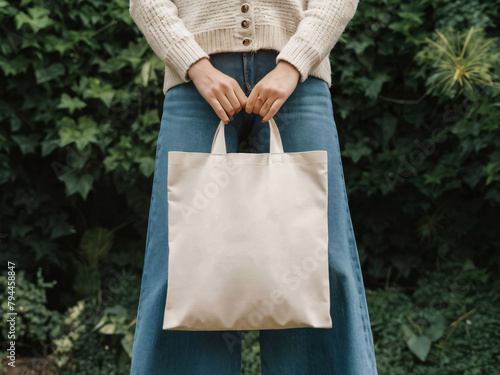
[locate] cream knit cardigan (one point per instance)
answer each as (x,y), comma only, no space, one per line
(181,32)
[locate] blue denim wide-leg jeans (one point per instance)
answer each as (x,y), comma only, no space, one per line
(306,123)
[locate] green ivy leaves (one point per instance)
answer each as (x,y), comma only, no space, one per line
(81,132)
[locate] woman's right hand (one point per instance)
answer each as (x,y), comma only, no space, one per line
(221,91)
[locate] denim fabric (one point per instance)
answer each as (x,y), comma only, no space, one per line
(306,123)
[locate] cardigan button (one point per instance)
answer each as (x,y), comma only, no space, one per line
(245,24)
(247,41)
(245,7)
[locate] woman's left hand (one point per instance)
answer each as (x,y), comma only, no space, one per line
(274,89)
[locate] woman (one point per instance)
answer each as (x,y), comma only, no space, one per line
(248,61)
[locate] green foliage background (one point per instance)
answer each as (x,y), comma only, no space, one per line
(80,107)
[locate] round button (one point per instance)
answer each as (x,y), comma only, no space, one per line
(247,41)
(245,7)
(245,24)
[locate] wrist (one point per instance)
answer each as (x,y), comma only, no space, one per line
(200,66)
(285,65)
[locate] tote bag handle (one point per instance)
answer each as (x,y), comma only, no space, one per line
(276,146)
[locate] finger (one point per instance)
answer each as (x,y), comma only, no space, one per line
(252,98)
(225,103)
(262,106)
(235,102)
(258,104)
(219,110)
(242,98)
(273,110)
(266,105)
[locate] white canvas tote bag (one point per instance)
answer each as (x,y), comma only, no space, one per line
(248,239)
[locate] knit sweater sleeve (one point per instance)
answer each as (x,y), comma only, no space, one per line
(166,33)
(323,23)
